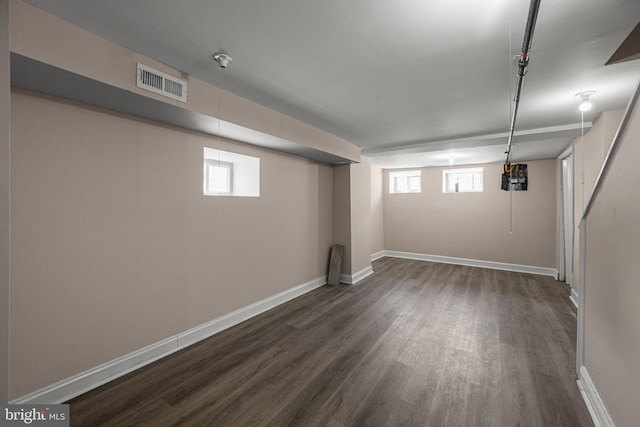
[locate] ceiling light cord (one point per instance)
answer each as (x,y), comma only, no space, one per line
(583,107)
(510,212)
(223,61)
(218,199)
(583,150)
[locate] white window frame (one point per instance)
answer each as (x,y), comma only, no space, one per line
(221,165)
(243,174)
(401,182)
(449,174)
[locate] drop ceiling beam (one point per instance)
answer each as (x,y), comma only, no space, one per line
(36,76)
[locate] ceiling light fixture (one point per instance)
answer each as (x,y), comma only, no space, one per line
(585,104)
(222,59)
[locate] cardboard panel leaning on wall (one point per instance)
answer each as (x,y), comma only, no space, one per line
(116,248)
(477,225)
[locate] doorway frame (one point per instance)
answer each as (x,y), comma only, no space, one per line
(567,203)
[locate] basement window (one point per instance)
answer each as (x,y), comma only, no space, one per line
(468,180)
(405,181)
(230,174)
(218,177)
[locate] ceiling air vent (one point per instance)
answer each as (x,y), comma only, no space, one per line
(161,83)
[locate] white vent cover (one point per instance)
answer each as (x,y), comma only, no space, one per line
(161,83)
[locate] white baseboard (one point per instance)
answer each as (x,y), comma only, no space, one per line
(215,326)
(74,386)
(592,399)
(544,271)
(574,297)
(355,278)
(377,256)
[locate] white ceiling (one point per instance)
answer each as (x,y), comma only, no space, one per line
(413,82)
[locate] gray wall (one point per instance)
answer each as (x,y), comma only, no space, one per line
(612,293)
(361,215)
(5,173)
(377,210)
(589,154)
(114,247)
(476,225)
(341,199)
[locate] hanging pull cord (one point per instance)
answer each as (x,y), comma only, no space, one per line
(523,62)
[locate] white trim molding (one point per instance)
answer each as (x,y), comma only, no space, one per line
(215,326)
(355,278)
(582,267)
(74,386)
(377,256)
(592,399)
(544,271)
(574,297)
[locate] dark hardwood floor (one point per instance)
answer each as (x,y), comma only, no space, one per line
(415,344)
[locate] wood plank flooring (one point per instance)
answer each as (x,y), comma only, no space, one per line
(415,344)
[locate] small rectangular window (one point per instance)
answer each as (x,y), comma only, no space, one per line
(218,177)
(462,180)
(230,174)
(405,181)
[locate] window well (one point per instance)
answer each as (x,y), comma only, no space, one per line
(230,174)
